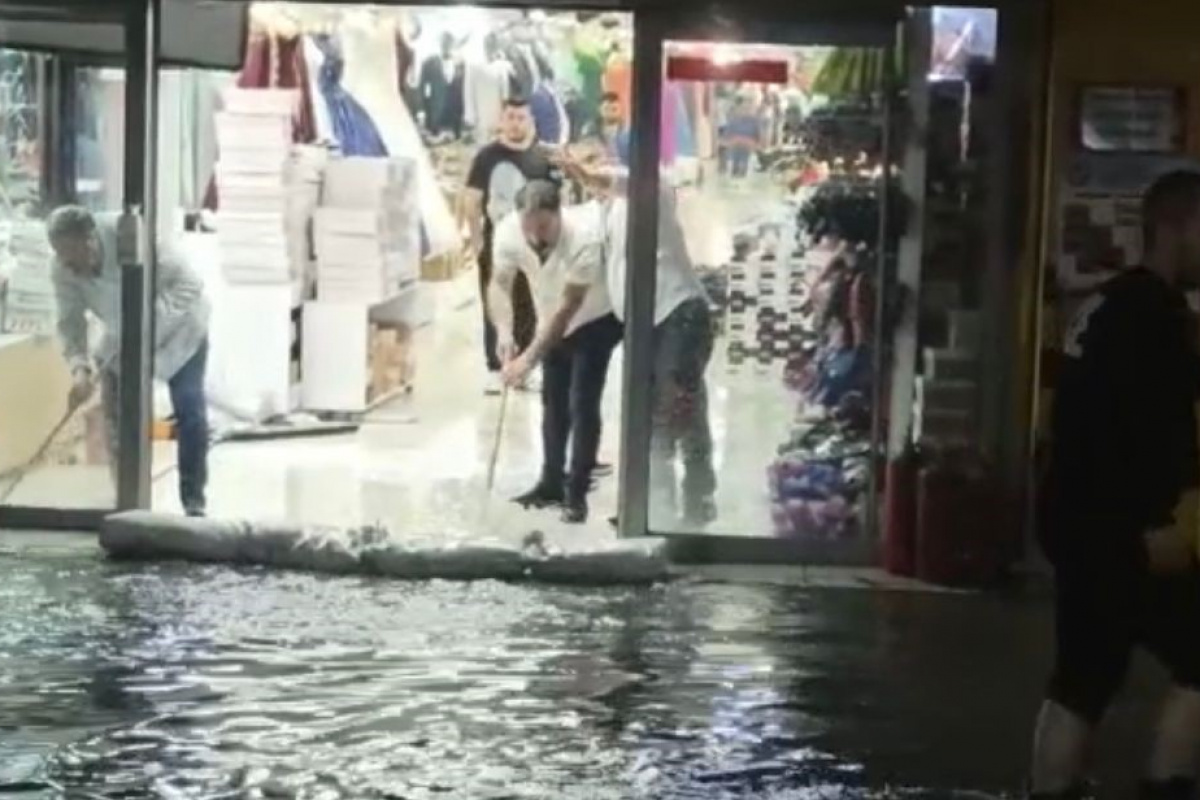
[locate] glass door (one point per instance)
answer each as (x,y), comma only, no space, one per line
(72,286)
(765,345)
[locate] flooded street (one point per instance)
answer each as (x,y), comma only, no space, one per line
(183,681)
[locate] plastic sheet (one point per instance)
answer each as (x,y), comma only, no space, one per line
(372,550)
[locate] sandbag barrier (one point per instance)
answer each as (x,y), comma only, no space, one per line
(372,550)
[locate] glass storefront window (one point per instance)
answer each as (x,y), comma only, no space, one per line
(765,329)
(59,340)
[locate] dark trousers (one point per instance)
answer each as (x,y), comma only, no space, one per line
(524,315)
(190,406)
(683,345)
(573,377)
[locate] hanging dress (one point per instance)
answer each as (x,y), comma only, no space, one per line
(370,73)
(353,127)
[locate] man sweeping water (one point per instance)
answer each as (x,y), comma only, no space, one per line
(560,251)
(87,278)
(1123,454)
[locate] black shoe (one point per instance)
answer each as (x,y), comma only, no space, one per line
(196,513)
(1174,789)
(543,495)
(575,509)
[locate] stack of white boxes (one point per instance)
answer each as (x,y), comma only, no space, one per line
(268,190)
(367,231)
(29,304)
(367,237)
(254,140)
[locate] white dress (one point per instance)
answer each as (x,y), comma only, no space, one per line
(371,74)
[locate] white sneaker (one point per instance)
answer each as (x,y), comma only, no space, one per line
(494,385)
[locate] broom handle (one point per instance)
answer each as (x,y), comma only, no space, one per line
(495,457)
(18,475)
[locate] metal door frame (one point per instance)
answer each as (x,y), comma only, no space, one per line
(652,28)
(141,22)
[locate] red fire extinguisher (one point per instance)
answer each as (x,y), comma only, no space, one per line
(900,515)
(960,529)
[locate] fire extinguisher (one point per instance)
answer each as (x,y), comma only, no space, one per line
(900,515)
(960,525)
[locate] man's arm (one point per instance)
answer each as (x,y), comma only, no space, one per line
(472,215)
(506,263)
(72,322)
(584,271)
(472,209)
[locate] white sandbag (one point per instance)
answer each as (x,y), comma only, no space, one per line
(466,562)
(372,550)
(627,563)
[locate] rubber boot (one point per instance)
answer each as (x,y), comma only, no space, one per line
(1174,789)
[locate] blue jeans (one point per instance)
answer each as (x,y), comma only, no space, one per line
(190,405)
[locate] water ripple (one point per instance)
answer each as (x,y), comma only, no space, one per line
(204,682)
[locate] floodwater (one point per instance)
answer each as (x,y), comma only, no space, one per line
(183,681)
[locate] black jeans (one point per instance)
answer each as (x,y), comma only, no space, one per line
(573,377)
(524,316)
(683,345)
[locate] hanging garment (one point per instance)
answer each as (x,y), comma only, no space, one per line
(485,89)
(353,127)
(524,76)
(256,66)
(314,60)
(293,74)
(590,67)
(370,77)
(685,137)
(547,120)
(441,92)
(667,132)
(618,79)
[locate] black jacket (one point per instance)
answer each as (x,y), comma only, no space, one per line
(1123,447)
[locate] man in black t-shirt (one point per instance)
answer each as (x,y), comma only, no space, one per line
(1123,453)
(499,171)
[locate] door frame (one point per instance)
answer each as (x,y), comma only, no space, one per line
(140,20)
(873,27)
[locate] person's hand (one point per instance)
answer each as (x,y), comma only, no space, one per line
(506,351)
(1169,551)
(516,372)
(82,387)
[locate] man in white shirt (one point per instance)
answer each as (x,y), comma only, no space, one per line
(560,252)
(683,345)
(87,279)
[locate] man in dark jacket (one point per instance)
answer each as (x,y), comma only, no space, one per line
(1123,453)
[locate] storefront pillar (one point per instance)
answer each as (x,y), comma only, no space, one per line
(137,256)
(636,428)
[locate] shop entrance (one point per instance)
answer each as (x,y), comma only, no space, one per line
(69,454)
(776,186)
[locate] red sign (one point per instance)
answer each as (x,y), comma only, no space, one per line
(691,68)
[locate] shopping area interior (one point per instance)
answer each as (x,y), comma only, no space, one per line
(319,193)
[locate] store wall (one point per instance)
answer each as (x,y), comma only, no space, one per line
(1102,41)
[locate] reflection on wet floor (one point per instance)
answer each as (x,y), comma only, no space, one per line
(203,682)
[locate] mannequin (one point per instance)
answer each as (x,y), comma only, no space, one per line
(441,89)
(486,87)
